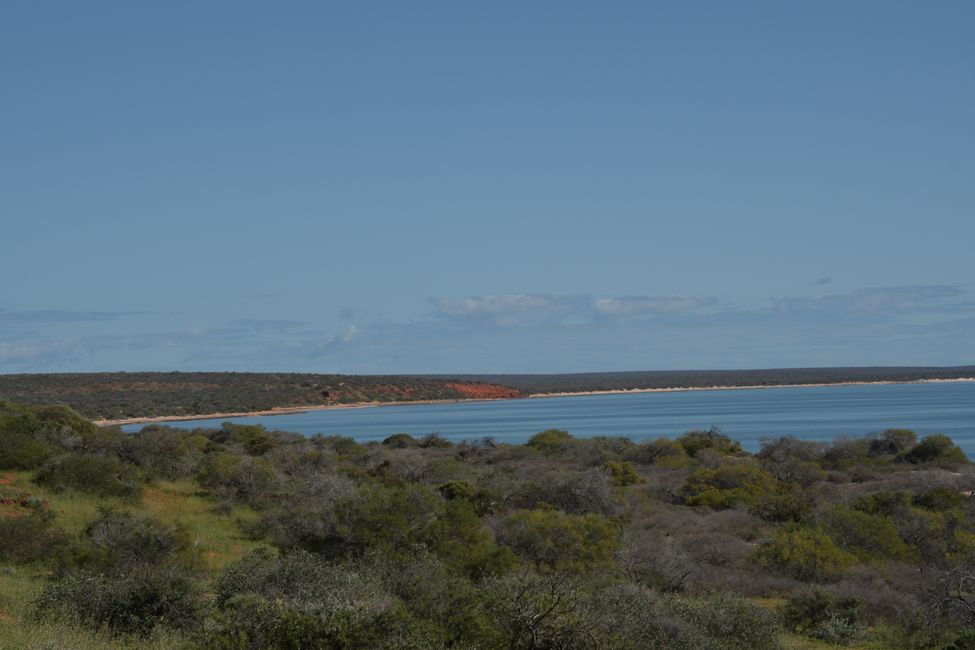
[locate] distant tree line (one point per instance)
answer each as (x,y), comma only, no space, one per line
(589,381)
(119,395)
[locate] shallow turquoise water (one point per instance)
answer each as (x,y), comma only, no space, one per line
(749,415)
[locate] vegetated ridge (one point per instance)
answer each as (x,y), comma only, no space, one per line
(121,395)
(117,395)
(657,379)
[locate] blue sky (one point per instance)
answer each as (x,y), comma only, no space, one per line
(503,187)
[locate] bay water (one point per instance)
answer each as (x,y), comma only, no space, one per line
(746,415)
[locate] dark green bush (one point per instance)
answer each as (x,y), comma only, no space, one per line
(729,484)
(882,503)
(21,451)
(253,437)
(728,622)
(240,478)
(20,447)
(551,441)
(791,504)
(891,442)
(97,475)
(869,536)
(300,600)
(457,490)
(400,441)
(163,451)
(134,603)
(697,441)
(622,473)
(435,441)
(845,453)
(63,427)
(121,542)
(31,538)
(939,499)
(825,617)
(804,553)
(934,448)
(549,538)
(662,452)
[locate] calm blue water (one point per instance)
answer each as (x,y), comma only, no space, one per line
(814,413)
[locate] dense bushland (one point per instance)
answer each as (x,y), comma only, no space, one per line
(421,543)
(121,395)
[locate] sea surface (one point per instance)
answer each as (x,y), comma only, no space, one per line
(747,415)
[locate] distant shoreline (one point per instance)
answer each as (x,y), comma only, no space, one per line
(625,391)
(291,410)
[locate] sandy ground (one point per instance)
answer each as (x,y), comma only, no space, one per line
(285,410)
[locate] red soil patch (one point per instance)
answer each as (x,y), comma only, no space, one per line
(6,618)
(485,391)
(7,478)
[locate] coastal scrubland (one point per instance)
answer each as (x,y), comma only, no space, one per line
(242,537)
(140,396)
(121,395)
(660,379)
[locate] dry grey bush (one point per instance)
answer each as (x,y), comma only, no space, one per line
(574,493)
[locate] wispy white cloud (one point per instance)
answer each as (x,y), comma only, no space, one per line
(58,316)
(508,310)
(637,306)
(928,324)
(521,310)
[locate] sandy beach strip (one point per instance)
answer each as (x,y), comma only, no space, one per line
(288,410)
(291,410)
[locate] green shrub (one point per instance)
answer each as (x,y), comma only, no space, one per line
(845,453)
(465,544)
(253,437)
(868,536)
(804,553)
(551,441)
(435,441)
(934,448)
(728,622)
(97,475)
(121,542)
(395,518)
(31,538)
(825,617)
(882,503)
(549,538)
(343,446)
(791,504)
(939,499)
(661,452)
(135,603)
(19,445)
(891,442)
(300,600)
(457,490)
(162,451)
(622,473)
(240,478)
(697,441)
(63,427)
(728,485)
(400,441)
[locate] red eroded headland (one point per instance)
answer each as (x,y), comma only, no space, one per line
(485,391)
